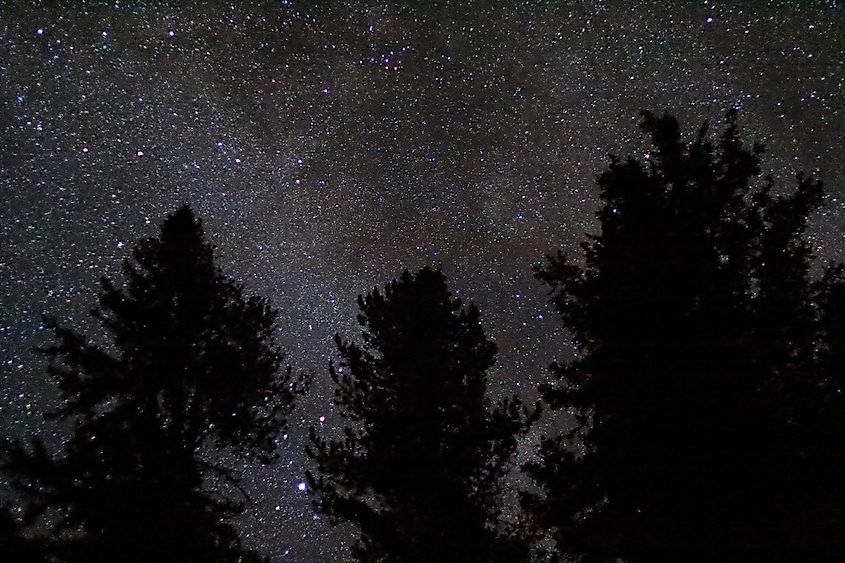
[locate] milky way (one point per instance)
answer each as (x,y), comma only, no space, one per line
(327,148)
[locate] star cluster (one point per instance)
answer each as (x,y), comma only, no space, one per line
(328,146)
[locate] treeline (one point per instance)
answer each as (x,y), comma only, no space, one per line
(703,414)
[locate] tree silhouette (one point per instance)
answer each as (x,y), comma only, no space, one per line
(821,520)
(14,544)
(697,324)
(420,464)
(192,365)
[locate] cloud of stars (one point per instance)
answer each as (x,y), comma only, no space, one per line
(328,146)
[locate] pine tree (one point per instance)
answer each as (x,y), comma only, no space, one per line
(420,466)
(14,544)
(821,508)
(192,366)
(697,327)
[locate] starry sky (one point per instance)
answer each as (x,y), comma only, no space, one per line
(328,146)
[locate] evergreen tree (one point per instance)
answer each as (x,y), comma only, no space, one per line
(821,512)
(14,544)
(420,466)
(697,326)
(192,366)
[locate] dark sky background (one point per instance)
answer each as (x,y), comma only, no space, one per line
(328,147)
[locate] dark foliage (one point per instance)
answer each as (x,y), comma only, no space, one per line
(710,425)
(14,543)
(193,365)
(419,469)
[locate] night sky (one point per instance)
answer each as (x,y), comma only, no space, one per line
(327,148)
